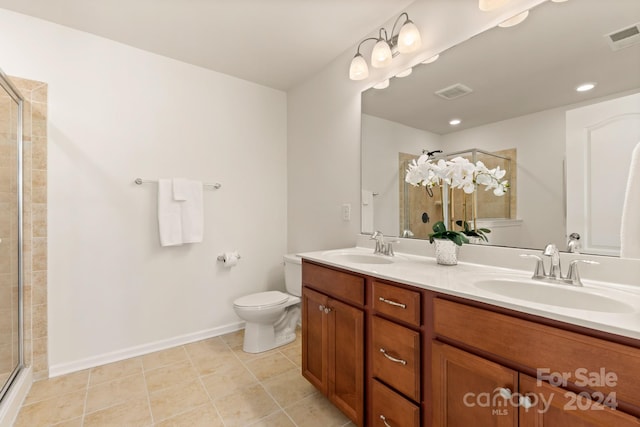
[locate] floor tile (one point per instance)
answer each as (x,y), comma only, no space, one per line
(115,370)
(52,387)
(289,387)
(245,406)
(202,416)
(115,392)
(270,366)
(132,413)
(174,400)
(316,411)
(279,419)
(228,379)
(51,411)
(169,375)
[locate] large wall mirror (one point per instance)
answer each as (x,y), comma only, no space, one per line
(514,90)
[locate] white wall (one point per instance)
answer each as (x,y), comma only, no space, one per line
(323,122)
(384,139)
(117,113)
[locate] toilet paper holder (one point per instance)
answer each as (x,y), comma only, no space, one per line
(221,257)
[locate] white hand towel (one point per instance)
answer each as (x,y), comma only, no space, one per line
(192,212)
(169,215)
(367,211)
(630,228)
(180,189)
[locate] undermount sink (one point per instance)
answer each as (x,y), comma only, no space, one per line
(559,295)
(360,257)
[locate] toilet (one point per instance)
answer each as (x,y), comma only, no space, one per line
(271,317)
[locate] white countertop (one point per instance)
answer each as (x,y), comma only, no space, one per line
(423,272)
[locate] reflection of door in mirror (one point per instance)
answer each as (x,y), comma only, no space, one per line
(419,208)
(600,139)
(9,238)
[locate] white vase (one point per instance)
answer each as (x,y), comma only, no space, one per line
(446,252)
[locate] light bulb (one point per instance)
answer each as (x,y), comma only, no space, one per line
(515,20)
(585,87)
(358,69)
(489,5)
(409,39)
(455,122)
(381,54)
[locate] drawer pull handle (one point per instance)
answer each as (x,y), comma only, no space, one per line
(393,359)
(384,420)
(525,402)
(393,303)
(504,392)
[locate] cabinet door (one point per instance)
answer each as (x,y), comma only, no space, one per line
(315,339)
(550,406)
(346,359)
(471,391)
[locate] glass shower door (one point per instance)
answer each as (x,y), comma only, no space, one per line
(10,233)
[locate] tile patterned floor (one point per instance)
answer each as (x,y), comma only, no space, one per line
(210,383)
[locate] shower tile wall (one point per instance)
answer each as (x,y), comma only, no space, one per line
(35,224)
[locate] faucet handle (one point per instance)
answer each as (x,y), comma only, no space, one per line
(539,272)
(573,276)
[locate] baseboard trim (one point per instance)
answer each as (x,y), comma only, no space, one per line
(12,401)
(127,353)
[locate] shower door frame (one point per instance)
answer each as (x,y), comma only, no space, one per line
(14,93)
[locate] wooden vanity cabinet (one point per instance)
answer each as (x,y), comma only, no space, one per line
(502,370)
(333,337)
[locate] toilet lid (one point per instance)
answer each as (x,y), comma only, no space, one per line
(262,299)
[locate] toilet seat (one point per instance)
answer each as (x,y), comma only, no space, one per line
(262,300)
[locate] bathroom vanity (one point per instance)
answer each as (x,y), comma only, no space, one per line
(408,343)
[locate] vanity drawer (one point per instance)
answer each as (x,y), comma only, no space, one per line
(343,286)
(395,354)
(398,303)
(536,346)
(391,407)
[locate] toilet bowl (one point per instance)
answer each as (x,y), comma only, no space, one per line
(271,317)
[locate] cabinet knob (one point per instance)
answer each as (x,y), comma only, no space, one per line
(525,402)
(327,310)
(393,359)
(505,392)
(321,307)
(393,303)
(384,421)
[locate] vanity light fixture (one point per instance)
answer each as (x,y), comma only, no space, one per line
(434,58)
(382,85)
(489,5)
(455,122)
(405,73)
(585,87)
(406,41)
(515,20)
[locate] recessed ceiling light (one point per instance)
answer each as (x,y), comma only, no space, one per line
(434,58)
(405,73)
(382,85)
(455,122)
(585,87)
(513,21)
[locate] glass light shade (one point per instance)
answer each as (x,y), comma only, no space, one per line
(409,39)
(381,55)
(382,85)
(513,21)
(358,69)
(489,5)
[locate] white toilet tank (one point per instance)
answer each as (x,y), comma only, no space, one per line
(293,274)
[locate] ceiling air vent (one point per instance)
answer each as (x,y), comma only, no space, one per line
(624,38)
(455,91)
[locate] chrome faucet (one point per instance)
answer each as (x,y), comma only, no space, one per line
(573,245)
(555,271)
(382,247)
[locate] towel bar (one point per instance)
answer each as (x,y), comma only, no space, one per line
(141,181)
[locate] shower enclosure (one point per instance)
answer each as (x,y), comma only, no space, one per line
(11,340)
